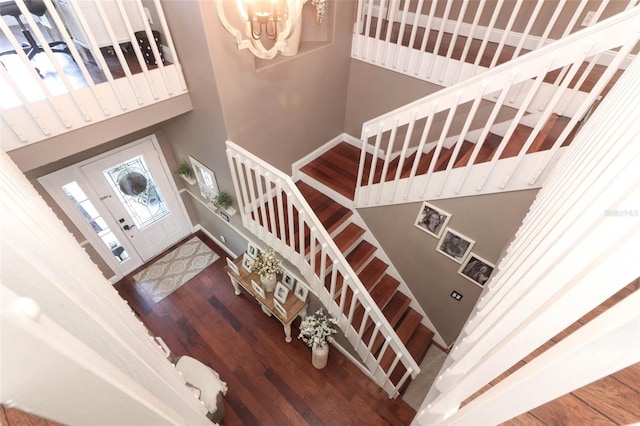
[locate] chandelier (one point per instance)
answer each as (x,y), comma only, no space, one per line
(262,26)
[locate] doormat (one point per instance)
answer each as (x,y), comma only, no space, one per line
(174,269)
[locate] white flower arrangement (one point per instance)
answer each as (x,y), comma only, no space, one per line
(318,329)
(267,263)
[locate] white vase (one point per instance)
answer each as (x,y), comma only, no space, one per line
(319,356)
(268,282)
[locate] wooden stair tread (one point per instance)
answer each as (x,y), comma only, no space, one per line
(417,346)
(393,311)
(372,272)
(423,164)
(443,159)
(419,342)
(464,154)
(330,213)
(516,142)
(404,330)
(360,255)
(408,325)
(549,134)
(384,290)
(336,168)
(489,147)
(344,240)
(348,236)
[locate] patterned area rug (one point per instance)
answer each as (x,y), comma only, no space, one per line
(170,272)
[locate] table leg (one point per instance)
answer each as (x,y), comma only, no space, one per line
(236,286)
(287,332)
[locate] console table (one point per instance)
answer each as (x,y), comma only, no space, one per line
(293,306)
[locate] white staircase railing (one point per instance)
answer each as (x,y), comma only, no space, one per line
(452,113)
(576,248)
(272,207)
(410,37)
(63,89)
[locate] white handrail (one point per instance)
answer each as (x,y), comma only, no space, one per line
(258,215)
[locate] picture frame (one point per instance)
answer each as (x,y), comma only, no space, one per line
(258,289)
(281,292)
(247,262)
(253,250)
(206,178)
(234,268)
(280,309)
(288,279)
(301,291)
(454,245)
(477,270)
(432,220)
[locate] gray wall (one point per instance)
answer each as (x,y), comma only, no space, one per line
(489,220)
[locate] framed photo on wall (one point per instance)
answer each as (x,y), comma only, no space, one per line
(432,220)
(455,245)
(477,269)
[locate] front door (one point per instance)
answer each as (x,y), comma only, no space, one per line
(135,187)
(124,202)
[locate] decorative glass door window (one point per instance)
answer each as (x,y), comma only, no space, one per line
(134,186)
(89,212)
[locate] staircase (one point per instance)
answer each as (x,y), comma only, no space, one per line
(435,147)
(347,155)
(500,130)
(374,275)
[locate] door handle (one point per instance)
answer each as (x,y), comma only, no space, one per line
(127,227)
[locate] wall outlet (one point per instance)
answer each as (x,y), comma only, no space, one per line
(588,19)
(456,295)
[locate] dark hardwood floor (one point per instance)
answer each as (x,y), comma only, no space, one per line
(270,382)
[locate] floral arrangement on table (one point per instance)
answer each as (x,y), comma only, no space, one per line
(318,329)
(267,263)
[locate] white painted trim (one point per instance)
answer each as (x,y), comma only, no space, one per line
(220,244)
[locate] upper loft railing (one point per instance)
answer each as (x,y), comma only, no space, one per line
(455,143)
(272,208)
(107,64)
(452,40)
